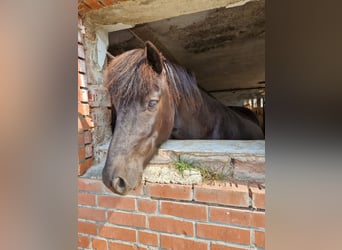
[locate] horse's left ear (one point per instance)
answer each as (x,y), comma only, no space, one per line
(154,57)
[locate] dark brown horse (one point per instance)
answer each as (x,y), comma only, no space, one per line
(155,100)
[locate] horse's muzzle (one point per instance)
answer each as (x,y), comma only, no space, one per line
(121,182)
(119,185)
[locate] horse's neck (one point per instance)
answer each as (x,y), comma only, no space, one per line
(198,124)
(213,121)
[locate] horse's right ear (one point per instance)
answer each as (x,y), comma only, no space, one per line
(154,57)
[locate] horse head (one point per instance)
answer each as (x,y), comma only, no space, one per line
(144,115)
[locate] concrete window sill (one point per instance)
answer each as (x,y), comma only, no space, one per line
(234,160)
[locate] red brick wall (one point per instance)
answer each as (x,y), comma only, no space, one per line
(86,5)
(170,216)
(85,148)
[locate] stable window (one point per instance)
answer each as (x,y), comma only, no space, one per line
(224,47)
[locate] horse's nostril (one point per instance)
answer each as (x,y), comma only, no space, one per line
(119,185)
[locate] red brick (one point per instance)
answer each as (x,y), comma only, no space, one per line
(148,238)
(174,243)
(84,123)
(107,2)
(84,165)
(83,241)
(127,219)
(90,185)
(82,168)
(222,233)
(82,8)
(171,225)
(89,161)
(118,233)
(93,4)
(99,244)
(215,246)
(258,197)
(81,51)
(171,191)
(82,69)
(147,206)
(87,137)
(87,228)
(80,125)
(259,239)
(82,95)
(237,217)
(89,122)
(225,195)
(191,211)
(121,246)
(81,153)
(86,199)
(91,214)
(83,108)
(82,81)
(81,140)
(118,202)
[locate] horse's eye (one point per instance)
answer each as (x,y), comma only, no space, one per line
(152,104)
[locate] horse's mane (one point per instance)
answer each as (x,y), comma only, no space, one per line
(130,78)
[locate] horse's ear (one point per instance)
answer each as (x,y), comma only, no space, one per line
(154,57)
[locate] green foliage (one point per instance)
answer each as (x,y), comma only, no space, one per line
(181,165)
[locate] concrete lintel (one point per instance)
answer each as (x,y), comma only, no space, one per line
(134,12)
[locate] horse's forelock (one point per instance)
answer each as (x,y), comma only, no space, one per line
(129,78)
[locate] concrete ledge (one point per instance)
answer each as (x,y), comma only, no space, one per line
(215,146)
(233,160)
